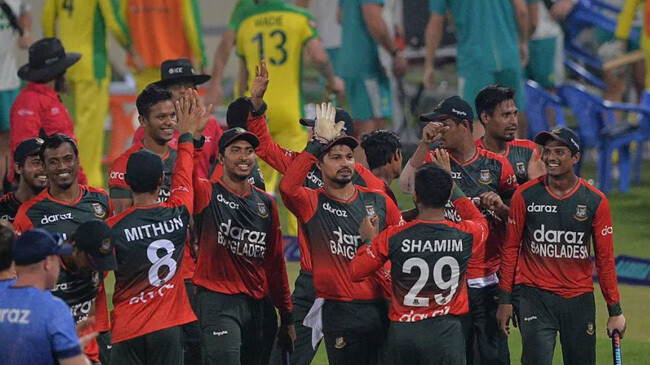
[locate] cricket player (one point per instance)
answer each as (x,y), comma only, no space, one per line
(426,299)
(383,150)
(546,262)
(487,178)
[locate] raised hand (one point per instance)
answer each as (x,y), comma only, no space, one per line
(191,116)
(536,167)
(369,227)
(432,132)
(441,157)
(260,85)
(326,127)
(492,201)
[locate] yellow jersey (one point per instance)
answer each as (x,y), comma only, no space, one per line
(82,28)
(276,31)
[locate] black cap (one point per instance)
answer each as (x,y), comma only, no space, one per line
(35,245)
(28,147)
(143,168)
(562,134)
(177,71)
(453,106)
(345,140)
(237,114)
(341,115)
(235,134)
(47,60)
(96,239)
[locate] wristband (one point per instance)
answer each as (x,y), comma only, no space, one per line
(456,193)
(504,297)
(198,143)
(185,137)
(615,309)
(315,147)
(367,241)
(259,112)
(286,318)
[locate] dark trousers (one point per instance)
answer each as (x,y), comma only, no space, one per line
(432,341)
(191,331)
(269,329)
(104,343)
(542,314)
(303,298)
(355,332)
(484,341)
(231,328)
(160,347)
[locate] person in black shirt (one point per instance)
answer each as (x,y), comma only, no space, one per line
(30,174)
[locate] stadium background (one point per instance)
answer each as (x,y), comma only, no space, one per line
(629,211)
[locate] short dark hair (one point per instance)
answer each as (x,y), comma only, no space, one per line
(432,186)
(55,141)
(7,238)
(490,97)
(379,146)
(149,97)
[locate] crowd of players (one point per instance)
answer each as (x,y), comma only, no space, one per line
(501,232)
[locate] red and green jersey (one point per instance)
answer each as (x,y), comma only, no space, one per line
(78,289)
(331,229)
(150,293)
(9,206)
(518,153)
(485,172)
(118,187)
(428,263)
(240,243)
(548,241)
(280,159)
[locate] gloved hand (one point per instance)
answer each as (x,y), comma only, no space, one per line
(326,127)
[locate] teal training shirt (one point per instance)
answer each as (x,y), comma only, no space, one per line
(486,33)
(358,55)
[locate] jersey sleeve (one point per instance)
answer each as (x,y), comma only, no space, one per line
(372,181)
(276,270)
(510,252)
(438,6)
(370,258)
(117,186)
(393,215)
(22,223)
(114,22)
(508,180)
(192,21)
(603,237)
(626,18)
(237,15)
(308,28)
(202,190)
(270,152)
(181,188)
(300,200)
(61,332)
(472,221)
(48,18)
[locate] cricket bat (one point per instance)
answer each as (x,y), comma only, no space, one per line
(623,60)
(616,348)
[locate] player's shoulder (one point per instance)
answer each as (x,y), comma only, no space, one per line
(491,156)
(119,165)
(523,143)
(592,190)
(26,206)
(372,192)
(96,191)
(533,184)
(263,195)
(281,6)
(7,197)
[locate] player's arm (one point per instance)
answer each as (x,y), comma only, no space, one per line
(533,14)
(320,58)
(626,18)
(603,238)
(192,23)
(116,24)
(21,222)
(300,200)
(25,22)
(536,167)
(48,18)
(118,189)
(182,191)
(393,215)
(507,181)
(469,213)
(370,257)
(376,26)
(276,271)
(432,37)
(430,133)
(63,338)
(509,257)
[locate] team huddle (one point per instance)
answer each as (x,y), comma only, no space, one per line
(500,233)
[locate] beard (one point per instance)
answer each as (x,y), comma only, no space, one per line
(505,138)
(342,181)
(36,189)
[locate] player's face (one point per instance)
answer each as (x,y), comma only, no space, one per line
(61,166)
(338,164)
(238,160)
(52,268)
(558,159)
(453,135)
(33,173)
(502,125)
(181,89)
(161,123)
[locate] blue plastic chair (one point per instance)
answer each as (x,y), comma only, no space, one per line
(538,102)
(598,128)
